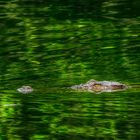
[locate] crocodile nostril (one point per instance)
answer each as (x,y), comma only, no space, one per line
(25,89)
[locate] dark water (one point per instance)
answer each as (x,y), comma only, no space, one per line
(54,44)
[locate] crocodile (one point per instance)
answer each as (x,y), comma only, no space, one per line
(91,86)
(100,86)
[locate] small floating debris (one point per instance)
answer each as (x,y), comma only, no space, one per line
(25,89)
(100,86)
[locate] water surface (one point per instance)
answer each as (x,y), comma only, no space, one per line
(51,45)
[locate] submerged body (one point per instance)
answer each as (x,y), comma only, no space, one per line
(100,86)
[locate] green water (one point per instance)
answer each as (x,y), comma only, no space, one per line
(51,45)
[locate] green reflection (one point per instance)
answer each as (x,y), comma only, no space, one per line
(54,44)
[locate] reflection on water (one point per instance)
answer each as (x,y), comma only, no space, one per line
(53,45)
(71,116)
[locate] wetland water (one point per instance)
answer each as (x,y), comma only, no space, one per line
(51,45)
